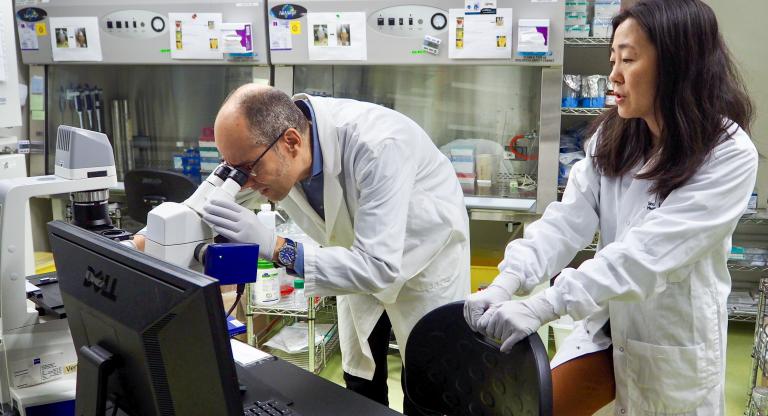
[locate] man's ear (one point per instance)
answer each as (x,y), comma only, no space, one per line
(293,141)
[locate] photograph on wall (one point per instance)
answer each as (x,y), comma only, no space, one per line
(337,36)
(81,38)
(321,35)
(75,39)
(196,36)
(62,40)
(481,36)
(342,35)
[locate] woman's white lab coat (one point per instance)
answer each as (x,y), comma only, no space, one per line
(396,231)
(660,275)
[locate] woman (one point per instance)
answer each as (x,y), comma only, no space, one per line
(667,175)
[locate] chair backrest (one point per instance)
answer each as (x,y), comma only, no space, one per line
(454,371)
(148,188)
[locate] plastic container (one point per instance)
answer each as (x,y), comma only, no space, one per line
(267,287)
(267,217)
(299,298)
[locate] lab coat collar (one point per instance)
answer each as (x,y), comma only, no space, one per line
(333,194)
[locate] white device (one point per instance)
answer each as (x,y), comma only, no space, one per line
(84,162)
(174,230)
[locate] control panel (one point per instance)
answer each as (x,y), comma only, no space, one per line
(134,24)
(408,21)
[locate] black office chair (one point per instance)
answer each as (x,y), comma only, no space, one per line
(148,188)
(452,370)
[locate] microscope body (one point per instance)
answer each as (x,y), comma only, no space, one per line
(176,230)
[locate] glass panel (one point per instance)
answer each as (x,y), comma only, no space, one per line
(169,110)
(484,118)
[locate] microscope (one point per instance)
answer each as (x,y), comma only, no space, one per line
(37,358)
(177,233)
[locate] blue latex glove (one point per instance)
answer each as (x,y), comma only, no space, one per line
(239,225)
(514,320)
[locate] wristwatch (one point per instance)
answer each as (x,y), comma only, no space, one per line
(286,255)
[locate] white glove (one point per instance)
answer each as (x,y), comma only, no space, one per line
(501,290)
(239,225)
(514,320)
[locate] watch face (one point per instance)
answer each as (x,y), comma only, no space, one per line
(287,254)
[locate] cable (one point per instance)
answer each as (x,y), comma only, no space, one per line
(240,290)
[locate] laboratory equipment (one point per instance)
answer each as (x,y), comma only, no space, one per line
(175,230)
(85,167)
(137,354)
(480,86)
(162,93)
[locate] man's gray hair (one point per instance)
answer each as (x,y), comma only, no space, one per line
(270,113)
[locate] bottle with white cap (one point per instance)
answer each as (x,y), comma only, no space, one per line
(267,216)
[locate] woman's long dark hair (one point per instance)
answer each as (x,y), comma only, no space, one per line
(698,87)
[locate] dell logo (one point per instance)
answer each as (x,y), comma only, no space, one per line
(152,181)
(101,283)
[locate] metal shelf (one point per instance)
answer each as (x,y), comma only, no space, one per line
(587,42)
(759,218)
(753,269)
(285,307)
(579,111)
(742,316)
(323,352)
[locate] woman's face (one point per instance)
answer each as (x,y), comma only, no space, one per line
(633,73)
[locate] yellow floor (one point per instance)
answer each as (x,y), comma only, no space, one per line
(737,371)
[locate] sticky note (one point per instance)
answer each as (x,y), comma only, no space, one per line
(41,29)
(38,115)
(37,85)
(295,27)
(36,102)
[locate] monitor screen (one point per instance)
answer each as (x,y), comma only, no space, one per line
(164,326)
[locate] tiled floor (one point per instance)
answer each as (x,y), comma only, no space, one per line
(737,371)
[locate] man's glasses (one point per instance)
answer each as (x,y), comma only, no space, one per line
(251,166)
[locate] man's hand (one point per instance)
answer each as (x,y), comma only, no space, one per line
(514,320)
(239,225)
(139,241)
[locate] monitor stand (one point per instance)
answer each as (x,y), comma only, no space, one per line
(94,367)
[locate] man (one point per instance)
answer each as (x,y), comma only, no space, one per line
(371,188)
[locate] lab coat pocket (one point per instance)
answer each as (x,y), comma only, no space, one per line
(668,380)
(679,274)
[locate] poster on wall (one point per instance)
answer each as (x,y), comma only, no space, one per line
(75,39)
(480,36)
(237,39)
(337,36)
(196,36)
(280,35)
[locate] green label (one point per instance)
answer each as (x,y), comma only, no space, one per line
(165,51)
(418,52)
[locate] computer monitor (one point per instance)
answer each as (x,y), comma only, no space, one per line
(148,188)
(151,337)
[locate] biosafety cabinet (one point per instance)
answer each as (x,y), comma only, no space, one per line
(483,78)
(150,74)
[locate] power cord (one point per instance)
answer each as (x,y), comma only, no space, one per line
(240,290)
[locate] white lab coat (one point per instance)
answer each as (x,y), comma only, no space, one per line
(660,275)
(396,231)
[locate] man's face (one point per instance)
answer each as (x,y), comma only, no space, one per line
(271,176)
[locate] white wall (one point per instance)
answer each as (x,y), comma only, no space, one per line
(742,23)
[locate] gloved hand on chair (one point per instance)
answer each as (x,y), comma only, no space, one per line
(501,290)
(514,320)
(239,225)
